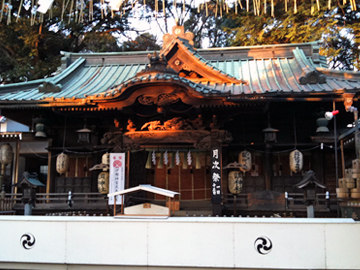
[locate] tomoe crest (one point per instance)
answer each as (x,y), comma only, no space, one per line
(27,241)
(263,245)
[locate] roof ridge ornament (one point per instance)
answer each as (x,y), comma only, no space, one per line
(312,77)
(49,87)
(157,64)
(309,73)
(178,31)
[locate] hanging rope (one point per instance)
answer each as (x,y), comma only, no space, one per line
(91,10)
(265,7)
(2,10)
(9,13)
(163,4)
(18,15)
(70,13)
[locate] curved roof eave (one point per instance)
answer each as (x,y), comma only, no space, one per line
(31,85)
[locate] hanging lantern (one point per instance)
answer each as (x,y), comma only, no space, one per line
(40,128)
(197,161)
(161,161)
(105,159)
(183,161)
(148,164)
(62,163)
(235,182)
(245,161)
(6,154)
(172,161)
(103,182)
(296,161)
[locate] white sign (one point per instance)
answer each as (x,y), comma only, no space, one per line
(117,176)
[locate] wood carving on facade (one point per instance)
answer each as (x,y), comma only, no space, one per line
(167,136)
(177,130)
(131,126)
(176,123)
(121,142)
(221,136)
(111,138)
(160,100)
(348,100)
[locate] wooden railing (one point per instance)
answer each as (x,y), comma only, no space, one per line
(50,202)
(60,198)
(296,201)
(6,204)
(293,203)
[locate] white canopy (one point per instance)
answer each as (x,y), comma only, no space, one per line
(149,188)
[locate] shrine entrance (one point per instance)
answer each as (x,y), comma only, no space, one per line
(185,172)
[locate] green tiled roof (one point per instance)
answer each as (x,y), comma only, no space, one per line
(266,71)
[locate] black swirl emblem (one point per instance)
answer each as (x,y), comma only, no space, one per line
(263,245)
(27,241)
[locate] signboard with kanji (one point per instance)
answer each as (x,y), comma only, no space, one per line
(216,175)
(117,175)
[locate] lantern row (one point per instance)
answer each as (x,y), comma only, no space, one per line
(186,159)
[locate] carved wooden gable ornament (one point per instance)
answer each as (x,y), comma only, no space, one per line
(178,49)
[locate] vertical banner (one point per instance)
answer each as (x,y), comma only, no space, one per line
(117,175)
(216,174)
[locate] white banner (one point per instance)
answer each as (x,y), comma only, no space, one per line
(117,175)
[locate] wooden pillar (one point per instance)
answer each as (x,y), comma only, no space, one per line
(342,158)
(48,180)
(268,169)
(127,185)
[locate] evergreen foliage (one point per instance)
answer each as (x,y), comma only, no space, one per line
(30,45)
(337,29)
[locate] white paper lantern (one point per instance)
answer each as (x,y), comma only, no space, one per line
(103,182)
(296,161)
(6,154)
(62,163)
(105,159)
(245,161)
(235,182)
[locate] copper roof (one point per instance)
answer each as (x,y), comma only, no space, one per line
(292,69)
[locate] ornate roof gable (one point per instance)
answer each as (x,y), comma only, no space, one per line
(178,49)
